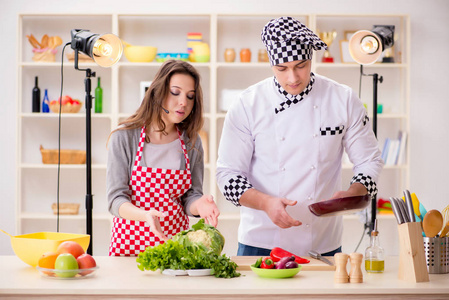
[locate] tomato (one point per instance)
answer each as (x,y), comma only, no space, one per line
(70,247)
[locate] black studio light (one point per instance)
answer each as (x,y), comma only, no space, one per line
(105,50)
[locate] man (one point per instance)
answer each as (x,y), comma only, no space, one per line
(282,145)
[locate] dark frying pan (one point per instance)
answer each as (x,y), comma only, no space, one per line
(340,206)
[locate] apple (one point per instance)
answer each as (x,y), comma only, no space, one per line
(66,99)
(86,261)
(64,263)
(70,247)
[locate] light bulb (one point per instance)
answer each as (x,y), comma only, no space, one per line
(369,44)
(102,48)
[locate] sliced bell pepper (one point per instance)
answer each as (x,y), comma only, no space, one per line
(267,263)
(278,253)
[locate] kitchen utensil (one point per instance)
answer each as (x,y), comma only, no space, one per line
(30,247)
(403,210)
(396,210)
(420,210)
(433,222)
(445,230)
(409,203)
(445,213)
(6,233)
(318,256)
(340,206)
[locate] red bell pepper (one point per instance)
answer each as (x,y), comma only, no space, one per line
(267,263)
(278,253)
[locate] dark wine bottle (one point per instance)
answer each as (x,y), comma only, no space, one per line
(36,97)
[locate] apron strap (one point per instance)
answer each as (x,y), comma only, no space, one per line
(184,149)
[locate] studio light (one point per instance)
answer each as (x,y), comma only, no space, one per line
(105,50)
(366,46)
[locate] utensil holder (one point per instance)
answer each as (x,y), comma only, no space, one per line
(412,259)
(437,254)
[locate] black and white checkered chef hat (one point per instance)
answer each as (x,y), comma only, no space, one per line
(287,39)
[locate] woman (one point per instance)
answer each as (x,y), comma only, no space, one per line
(155,164)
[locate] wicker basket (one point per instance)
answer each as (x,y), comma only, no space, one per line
(50,156)
(66,208)
(65,108)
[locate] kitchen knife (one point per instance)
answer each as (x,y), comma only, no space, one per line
(409,202)
(396,211)
(403,209)
(318,256)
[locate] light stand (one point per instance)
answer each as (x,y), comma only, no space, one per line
(365,48)
(106,50)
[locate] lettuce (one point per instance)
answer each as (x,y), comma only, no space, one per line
(196,248)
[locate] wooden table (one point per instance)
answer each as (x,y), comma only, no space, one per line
(119,278)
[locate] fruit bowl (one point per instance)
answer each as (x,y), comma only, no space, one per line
(140,53)
(65,108)
(30,247)
(67,274)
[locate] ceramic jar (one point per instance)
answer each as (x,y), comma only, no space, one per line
(245,55)
(262,55)
(229,55)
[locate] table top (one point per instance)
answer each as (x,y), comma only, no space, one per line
(119,276)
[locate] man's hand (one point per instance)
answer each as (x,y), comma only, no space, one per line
(274,207)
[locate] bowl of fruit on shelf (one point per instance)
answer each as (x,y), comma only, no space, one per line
(68,105)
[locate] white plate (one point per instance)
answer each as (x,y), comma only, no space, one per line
(200,272)
(171,272)
(193,272)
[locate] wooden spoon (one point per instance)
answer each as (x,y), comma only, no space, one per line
(432,223)
(445,230)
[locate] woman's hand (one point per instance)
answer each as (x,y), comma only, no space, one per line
(152,219)
(206,208)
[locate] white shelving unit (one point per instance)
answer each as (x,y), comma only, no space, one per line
(36,182)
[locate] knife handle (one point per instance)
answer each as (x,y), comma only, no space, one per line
(408,200)
(397,214)
(403,210)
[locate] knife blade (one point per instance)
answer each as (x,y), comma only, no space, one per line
(409,202)
(318,256)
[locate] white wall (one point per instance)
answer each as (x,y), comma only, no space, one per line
(430,61)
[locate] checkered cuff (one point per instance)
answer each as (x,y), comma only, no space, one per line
(368,182)
(235,189)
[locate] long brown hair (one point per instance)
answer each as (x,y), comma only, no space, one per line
(151,108)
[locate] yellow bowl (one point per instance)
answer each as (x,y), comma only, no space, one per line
(140,53)
(30,247)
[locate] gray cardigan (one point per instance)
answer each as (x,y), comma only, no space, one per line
(122,149)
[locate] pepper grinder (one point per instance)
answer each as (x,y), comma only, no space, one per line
(355,274)
(341,274)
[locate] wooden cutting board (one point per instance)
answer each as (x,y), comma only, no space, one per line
(244,263)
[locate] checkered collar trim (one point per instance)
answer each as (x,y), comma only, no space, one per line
(292,99)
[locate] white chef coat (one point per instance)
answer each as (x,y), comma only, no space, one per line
(295,154)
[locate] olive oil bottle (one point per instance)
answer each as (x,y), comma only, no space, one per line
(374,254)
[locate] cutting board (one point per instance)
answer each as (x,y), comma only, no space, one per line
(244,263)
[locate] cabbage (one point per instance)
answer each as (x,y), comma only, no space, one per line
(201,235)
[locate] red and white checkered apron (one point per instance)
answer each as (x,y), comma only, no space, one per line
(152,188)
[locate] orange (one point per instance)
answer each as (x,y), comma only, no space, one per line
(47,261)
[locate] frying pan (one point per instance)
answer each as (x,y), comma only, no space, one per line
(340,206)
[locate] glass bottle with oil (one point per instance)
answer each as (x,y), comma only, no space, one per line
(374,254)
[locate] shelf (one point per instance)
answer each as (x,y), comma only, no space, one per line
(122,93)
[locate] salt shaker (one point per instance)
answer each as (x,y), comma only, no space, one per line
(341,274)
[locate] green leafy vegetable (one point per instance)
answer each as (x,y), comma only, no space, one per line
(196,248)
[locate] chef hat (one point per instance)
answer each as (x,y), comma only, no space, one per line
(287,39)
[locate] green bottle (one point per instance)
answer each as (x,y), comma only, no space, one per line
(98,98)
